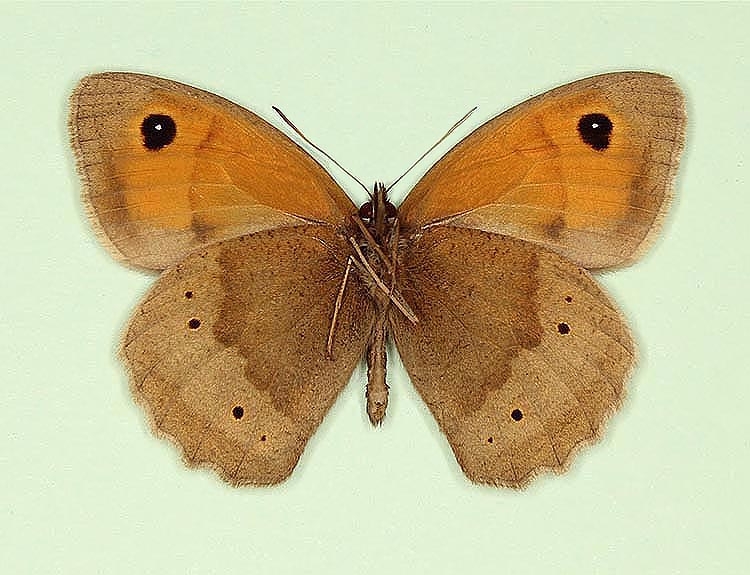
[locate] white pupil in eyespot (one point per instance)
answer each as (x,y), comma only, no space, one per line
(157,127)
(594,125)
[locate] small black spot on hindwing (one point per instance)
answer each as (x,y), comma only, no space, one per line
(194,323)
(158,130)
(238,411)
(563,328)
(595,130)
(516,415)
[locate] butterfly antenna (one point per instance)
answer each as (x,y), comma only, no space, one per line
(435,145)
(309,143)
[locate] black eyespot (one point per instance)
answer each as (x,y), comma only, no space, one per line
(516,415)
(158,130)
(568,298)
(263,437)
(188,295)
(238,411)
(194,323)
(365,211)
(563,328)
(595,130)
(490,440)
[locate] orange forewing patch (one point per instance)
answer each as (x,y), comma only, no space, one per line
(528,172)
(227,172)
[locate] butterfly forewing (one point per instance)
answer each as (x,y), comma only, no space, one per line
(585,169)
(169,168)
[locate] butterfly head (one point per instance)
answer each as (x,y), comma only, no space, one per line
(378,213)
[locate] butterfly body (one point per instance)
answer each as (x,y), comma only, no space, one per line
(379,244)
(375,243)
(274,286)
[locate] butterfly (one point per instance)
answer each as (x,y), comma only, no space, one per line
(274,285)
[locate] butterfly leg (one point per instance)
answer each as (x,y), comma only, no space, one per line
(337,308)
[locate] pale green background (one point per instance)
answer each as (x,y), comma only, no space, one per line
(86,488)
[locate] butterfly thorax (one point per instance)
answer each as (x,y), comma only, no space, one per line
(378,227)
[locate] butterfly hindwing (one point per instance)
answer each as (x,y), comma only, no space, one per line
(227,352)
(519,355)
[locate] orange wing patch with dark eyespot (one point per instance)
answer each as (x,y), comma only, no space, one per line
(585,169)
(168,168)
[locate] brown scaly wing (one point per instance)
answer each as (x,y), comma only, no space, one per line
(227,352)
(518,353)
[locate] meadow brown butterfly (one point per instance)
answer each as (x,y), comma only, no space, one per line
(275,285)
